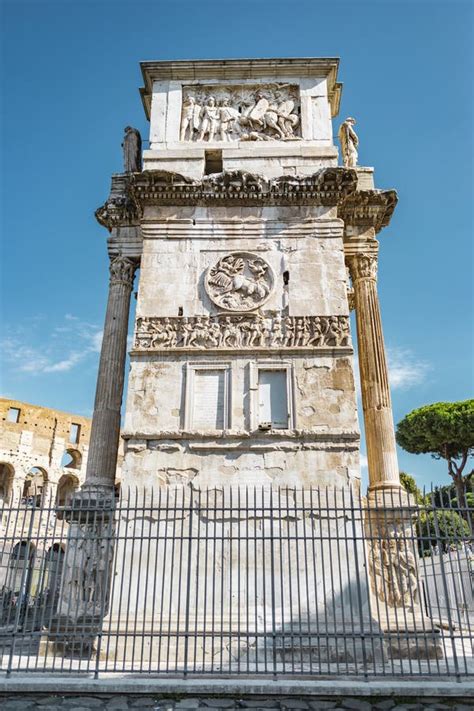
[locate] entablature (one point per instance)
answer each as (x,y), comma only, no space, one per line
(327,187)
(359,210)
(368,208)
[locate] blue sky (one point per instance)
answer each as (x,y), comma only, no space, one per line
(70,76)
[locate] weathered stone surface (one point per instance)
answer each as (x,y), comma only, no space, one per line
(233,115)
(15,704)
(119,703)
(18,702)
(356,704)
(219,703)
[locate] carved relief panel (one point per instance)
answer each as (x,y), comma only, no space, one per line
(240,281)
(249,331)
(266,112)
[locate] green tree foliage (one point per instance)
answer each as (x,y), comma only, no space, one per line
(444,430)
(437,524)
(441,527)
(409,484)
(469,497)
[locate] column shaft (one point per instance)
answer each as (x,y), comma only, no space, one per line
(376,401)
(105,431)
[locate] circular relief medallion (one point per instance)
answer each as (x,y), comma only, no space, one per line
(240,281)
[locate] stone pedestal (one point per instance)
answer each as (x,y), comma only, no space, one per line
(395,580)
(241,576)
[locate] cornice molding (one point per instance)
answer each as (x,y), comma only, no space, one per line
(368,208)
(326,187)
(119,210)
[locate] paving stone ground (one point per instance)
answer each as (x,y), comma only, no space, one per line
(126,702)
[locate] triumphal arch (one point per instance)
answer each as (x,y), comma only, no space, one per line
(253,245)
(254,241)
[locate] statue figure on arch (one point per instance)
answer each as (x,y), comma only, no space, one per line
(349,142)
(132,150)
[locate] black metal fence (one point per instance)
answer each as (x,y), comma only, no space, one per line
(244,580)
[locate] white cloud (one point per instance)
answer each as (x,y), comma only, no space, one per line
(405,369)
(363,461)
(96,341)
(31,349)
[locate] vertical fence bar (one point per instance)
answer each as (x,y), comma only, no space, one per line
(188,586)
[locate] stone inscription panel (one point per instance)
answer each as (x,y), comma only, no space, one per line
(265,112)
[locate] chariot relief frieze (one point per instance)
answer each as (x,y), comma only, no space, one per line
(240,113)
(240,281)
(250,331)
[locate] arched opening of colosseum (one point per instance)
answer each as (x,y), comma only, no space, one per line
(7,474)
(72,459)
(34,487)
(52,571)
(67,485)
(21,568)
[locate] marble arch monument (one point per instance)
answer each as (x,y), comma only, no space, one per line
(253,245)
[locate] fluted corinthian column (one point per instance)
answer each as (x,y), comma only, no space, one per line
(105,432)
(376,402)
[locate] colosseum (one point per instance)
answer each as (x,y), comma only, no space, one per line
(43,458)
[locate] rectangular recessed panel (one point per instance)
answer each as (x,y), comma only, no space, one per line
(273,399)
(208,409)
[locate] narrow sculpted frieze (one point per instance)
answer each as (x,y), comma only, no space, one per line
(240,113)
(248,331)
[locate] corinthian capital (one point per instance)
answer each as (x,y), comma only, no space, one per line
(122,271)
(362,266)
